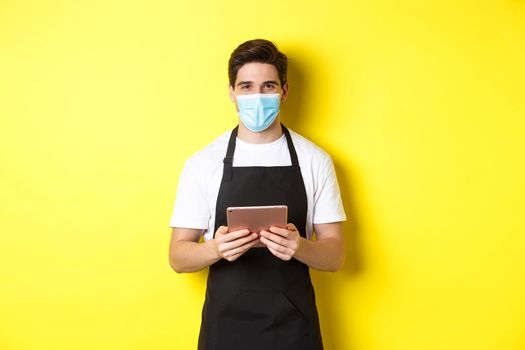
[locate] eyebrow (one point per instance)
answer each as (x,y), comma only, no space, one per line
(244,82)
(251,82)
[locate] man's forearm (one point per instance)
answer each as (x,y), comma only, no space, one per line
(187,256)
(325,255)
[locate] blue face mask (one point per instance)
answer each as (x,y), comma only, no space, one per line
(258,111)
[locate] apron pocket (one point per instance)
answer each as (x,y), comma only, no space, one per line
(291,327)
(296,306)
(262,320)
(245,322)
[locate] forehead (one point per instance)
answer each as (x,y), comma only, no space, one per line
(256,71)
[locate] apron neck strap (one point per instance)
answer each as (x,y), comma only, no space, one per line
(228,160)
(291,147)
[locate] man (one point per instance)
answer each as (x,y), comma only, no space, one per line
(259,293)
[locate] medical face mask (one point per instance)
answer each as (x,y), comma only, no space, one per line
(258,111)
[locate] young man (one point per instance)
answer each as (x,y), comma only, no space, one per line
(259,293)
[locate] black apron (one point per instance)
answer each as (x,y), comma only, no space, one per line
(260,302)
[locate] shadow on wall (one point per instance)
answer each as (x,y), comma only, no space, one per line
(296,116)
(293,109)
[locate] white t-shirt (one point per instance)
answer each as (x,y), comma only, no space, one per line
(201,177)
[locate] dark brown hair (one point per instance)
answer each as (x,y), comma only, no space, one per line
(257,50)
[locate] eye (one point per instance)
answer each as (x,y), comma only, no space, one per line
(269,86)
(245,86)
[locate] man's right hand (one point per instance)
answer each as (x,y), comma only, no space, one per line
(231,245)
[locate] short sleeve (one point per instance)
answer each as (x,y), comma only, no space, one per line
(328,206)
(191,209)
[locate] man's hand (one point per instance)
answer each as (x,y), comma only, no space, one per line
(231,245)
(282,242)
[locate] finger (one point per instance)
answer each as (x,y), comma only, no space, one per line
(277,247)
(235,257)
(235,253)
(237,243)
(231,236)
(280,231)
(223,247)
(291,227)
(222,229)
(275,238)
(279,254)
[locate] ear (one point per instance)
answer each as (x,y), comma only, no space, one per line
(284,92)
(232,93)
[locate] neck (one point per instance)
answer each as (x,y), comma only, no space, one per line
(274,132)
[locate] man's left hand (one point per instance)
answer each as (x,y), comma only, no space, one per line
(282,242)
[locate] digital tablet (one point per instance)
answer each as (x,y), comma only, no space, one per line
(256,218)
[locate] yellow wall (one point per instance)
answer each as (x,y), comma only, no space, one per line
(421,105)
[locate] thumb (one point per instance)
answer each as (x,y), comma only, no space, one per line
(222,230)
(291,227)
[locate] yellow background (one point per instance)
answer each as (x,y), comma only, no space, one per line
(420,104)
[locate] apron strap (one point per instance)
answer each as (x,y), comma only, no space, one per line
(228,160)
(291,147)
